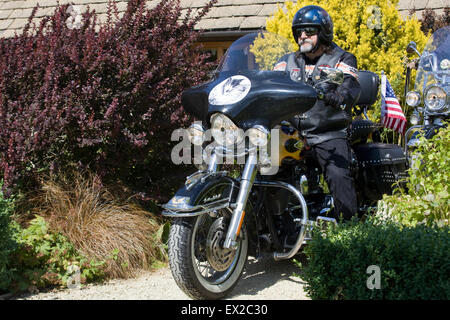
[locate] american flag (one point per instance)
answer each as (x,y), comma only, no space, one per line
(391,113)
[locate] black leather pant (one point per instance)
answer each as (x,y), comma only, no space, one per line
(334,157)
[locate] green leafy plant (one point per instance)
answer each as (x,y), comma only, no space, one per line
(160,244)
(413,261)
(426,199)
(44,259)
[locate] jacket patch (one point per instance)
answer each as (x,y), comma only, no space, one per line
(309,69)
(295,73)
(347,69)
(281,66)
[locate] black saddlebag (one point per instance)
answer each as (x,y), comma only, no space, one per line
(380,166)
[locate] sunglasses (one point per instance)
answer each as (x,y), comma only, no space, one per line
(309,31)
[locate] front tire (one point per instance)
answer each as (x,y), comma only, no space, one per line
(199,264)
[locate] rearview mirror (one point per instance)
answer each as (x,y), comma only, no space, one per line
(412,47)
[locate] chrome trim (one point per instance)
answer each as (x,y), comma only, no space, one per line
(193,179)
(409,132)
(201,176)
(213,163)
(278,184)
(183,214)
(191,209)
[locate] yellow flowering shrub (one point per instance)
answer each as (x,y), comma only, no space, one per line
(372,30)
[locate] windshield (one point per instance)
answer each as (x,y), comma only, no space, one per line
(254,52)
(434,64)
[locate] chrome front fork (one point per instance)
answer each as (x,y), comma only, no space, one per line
(248,177)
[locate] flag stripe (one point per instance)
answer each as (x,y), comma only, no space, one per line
(394,109)
(396,114)
(392,101)
(392,117)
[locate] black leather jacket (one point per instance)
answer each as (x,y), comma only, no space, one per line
(324,122)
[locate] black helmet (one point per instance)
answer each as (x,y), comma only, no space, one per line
(314,16)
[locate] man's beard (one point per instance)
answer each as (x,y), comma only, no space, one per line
(306,46)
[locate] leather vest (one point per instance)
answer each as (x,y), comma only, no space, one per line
(322,122)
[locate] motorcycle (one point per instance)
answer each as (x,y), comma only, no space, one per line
(431,95)
(271,204)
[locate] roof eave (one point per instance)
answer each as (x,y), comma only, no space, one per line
(225,35)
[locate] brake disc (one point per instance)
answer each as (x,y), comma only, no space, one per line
(218,257)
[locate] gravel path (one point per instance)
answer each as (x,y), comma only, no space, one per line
(263,280)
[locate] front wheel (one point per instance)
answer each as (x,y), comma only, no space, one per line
(201,267)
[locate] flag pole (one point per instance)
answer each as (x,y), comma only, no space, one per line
(381,95)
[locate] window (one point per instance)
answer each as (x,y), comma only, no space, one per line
(216,48)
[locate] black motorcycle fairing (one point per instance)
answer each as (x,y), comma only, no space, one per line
(195,100)
(273,97)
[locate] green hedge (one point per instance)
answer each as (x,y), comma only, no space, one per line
(414,262)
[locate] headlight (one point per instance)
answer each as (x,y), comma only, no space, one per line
(435,98)
(258,135)
(415,118)
(412,98)
(445,64)
(224,131)
(196,134)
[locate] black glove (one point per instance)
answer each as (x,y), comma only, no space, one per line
(334,99)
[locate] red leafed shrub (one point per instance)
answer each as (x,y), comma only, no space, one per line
(431,21)
(105,97)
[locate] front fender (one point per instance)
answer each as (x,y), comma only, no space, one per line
(211,193)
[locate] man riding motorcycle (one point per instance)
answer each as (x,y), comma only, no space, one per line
(325,125)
